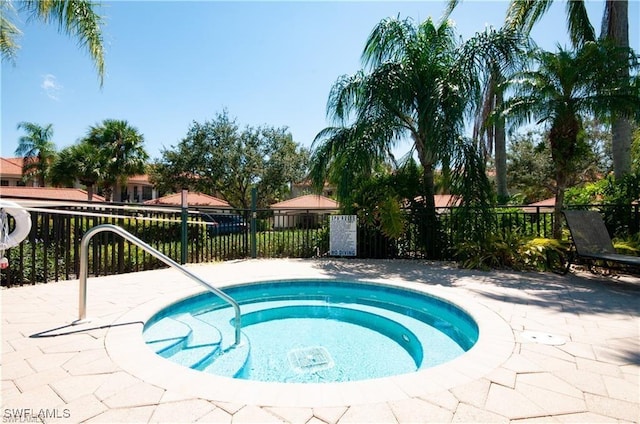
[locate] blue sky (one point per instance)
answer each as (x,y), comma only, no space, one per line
(170,63)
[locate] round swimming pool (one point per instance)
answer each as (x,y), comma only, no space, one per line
(312,331)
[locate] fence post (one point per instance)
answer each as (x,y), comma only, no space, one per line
(254,201)
(184,215)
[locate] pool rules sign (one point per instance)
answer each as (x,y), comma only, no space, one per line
(343,235)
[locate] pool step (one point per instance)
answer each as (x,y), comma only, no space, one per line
(167,336)
(195,357)
(230,359)
(191,340)
(230,362)
(202,333)
(201,344)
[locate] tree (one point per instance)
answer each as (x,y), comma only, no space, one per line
(615,27)
(491,133)
(565,87)
(77,18)
(531,170)
(217,158)
(122,148)
(418,83)
(83,162)
(37,151)
(530,167)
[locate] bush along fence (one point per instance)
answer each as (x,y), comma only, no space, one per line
(52,250)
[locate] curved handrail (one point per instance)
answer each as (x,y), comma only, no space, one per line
(84,267)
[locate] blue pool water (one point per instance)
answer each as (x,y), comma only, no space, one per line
(312,331)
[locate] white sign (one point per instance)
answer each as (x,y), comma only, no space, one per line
(343,235)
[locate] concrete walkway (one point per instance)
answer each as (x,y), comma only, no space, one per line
(102,372)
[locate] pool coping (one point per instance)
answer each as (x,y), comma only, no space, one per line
(126,347)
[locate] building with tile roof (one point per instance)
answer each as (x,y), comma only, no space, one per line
(193,199)
(137,189)
(303,211)
(11,173)
(47,193)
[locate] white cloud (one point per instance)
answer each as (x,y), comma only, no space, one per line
(51,86)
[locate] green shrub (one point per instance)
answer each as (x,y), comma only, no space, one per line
(544,254)
(510,249)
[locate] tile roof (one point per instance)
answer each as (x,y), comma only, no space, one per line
(11,167)
(193,199)
(443,200)
(546,202)
(308,201)
(545,205)
(139,179)
(49,193)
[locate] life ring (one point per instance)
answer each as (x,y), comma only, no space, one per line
(22,227)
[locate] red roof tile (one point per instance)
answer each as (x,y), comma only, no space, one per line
(11,167)
(49,193)
(546,202)
(443,200)
(545,205)
(139,179)
(309,201)
(193,199)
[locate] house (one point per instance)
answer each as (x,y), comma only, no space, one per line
(303,211)
(545,205)
(137,188)
(442,201)
(11,173)
(193,199)
(18,193)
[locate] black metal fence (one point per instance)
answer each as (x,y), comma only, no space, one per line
(52,250)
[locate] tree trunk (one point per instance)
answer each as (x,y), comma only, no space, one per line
(561,185)
(615,27)
(500,144)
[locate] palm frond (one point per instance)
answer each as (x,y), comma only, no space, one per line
(580,28)
(9,32)
(77,18)
(524,14)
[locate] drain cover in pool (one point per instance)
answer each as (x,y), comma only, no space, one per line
(310,359)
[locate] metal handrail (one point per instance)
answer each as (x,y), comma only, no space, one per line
(84,267)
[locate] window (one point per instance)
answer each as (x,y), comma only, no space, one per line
(147,193)
(4,183)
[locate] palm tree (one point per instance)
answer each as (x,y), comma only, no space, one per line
(76,18)
(37,151)
(122,147)
(489,130)
(418,83)
(82,162)
(615,27)
(566,87)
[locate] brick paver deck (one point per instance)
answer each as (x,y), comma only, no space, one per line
(101,372)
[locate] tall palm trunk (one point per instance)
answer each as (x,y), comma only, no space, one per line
(615,27)
(430,222)
(500,145)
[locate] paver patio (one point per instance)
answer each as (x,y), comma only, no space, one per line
(99,372)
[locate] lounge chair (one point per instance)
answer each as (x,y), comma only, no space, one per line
(592,241)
